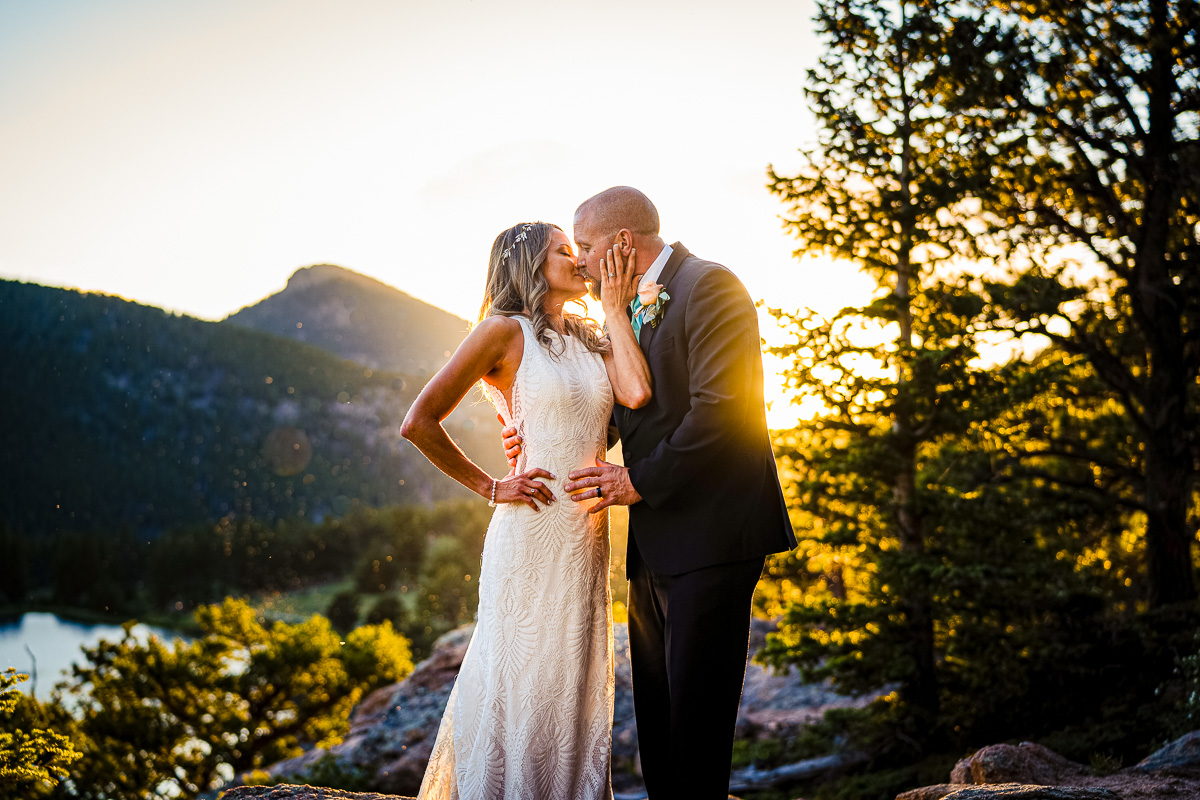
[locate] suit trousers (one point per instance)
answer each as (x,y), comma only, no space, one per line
(688,640)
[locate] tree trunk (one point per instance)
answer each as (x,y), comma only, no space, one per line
(1168,536)
(1159,312)
(922,688)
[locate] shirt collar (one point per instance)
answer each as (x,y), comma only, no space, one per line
(651,275)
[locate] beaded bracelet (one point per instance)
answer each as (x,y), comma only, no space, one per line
(492,502)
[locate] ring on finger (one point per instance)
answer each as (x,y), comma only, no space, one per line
(598,493)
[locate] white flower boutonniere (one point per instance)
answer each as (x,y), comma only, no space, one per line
(654,300)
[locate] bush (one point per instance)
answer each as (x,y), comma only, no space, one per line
(176,720)
(30,760)
(343,610)
(391,609)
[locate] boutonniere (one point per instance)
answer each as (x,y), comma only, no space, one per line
(654,300)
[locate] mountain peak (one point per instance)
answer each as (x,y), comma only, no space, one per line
(360,318)
(317,274)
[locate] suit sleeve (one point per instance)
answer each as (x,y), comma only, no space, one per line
(722,346)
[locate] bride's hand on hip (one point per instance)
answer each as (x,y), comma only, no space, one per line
(524,488)
(618,283)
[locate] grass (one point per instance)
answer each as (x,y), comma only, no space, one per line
(299,605)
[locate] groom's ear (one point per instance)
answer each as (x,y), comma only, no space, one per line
(624,241)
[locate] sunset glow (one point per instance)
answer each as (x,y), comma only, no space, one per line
(192,156)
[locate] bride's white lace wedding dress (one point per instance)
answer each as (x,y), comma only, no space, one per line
(530,715)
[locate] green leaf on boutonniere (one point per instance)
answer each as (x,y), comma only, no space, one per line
(655,312)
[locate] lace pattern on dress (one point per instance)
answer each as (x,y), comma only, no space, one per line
(530,715)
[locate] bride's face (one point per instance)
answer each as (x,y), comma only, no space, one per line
(563,276)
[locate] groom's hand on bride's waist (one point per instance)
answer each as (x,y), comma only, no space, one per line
(609,482)
(512,442)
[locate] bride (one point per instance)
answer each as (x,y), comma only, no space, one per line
(530,715)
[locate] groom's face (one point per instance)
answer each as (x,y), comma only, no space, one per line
(593,246)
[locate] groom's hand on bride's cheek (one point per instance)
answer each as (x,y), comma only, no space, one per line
(609,482)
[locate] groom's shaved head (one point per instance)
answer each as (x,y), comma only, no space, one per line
(617,208)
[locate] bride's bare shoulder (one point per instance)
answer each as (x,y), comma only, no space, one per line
(498,325)
(498,332)
(500,336)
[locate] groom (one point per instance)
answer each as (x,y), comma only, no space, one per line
(705,506)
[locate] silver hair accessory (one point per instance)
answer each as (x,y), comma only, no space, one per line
(522,236)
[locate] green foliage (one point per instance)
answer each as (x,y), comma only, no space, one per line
(900,376)
(1089,225)
(1181,692)
(343,610)
(391,609)
(449,586)
(381,574)
(186,567)
(33,759)
(178,719)
(979,545)
(809,742)
(246,555)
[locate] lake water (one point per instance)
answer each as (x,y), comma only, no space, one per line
(56,643)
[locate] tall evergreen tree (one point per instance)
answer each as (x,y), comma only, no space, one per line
(883,190)
(966,508)
(1093,212)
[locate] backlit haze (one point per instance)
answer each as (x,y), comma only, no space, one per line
(192,155)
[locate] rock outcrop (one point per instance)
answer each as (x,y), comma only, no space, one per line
(1033,772)
(393,729)
(286,792)
(1027,763)
(1181,754)
(999,772)
(1011,791)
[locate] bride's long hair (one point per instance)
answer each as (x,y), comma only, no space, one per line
(516,284)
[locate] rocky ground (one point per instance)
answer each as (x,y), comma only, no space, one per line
(1032,772)
(392,731)
(999,772)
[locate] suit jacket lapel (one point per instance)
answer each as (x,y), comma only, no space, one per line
(631,418)
(678,254)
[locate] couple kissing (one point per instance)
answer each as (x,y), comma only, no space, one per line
(677,374)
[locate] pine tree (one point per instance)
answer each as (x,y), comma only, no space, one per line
(1093,213)
(883,191)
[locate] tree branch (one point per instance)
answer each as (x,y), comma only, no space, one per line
(1090,488)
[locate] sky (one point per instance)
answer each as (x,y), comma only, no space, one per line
(192,154)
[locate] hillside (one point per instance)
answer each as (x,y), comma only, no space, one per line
(358,318)
(120,415)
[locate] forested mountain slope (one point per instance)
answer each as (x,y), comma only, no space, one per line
(359,318)
(119,415)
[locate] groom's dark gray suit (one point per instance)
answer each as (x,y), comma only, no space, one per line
(700,456)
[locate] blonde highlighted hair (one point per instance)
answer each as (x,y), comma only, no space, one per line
(516,285)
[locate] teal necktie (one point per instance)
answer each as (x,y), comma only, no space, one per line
(635,306)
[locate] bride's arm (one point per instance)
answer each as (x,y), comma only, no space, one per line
(492,349)
(628,371)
